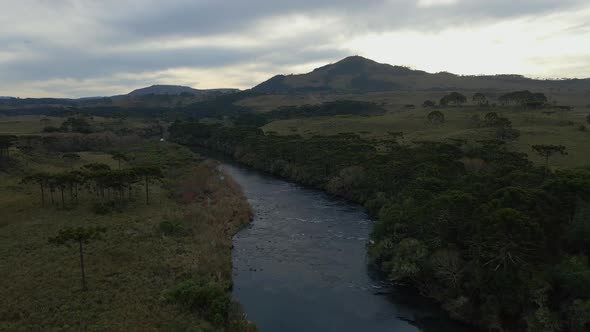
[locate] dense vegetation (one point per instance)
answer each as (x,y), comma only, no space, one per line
(334,108)
(500,243)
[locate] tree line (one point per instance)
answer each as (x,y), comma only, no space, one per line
(71,125)
(99,180)
(523,98)
(332,108)
(499,242)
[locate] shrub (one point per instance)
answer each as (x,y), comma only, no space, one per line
(436,117)
(507,134)
(102,208)
(210,299)
(428,104)
(375,203)
(475,121)
(171,228)
(51,129)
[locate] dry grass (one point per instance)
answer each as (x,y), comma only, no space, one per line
(34,124)
(128,270)
(26,124)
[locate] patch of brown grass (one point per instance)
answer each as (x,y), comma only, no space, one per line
(127,271)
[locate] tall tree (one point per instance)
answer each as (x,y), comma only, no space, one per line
(42,179)
(120,157)
(81,236)
(61,181)
(75,180)
(523,98)
(546,151)
(149,174)
(479,99)
(454,98)
(71,159)
(27,150)
(6,142)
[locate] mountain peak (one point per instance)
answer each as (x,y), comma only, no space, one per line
(349,64)
(351,74)
(356,59)
(356,74)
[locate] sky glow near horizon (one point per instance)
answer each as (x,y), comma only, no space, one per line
(76,48)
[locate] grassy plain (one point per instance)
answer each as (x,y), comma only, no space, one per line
(25,124)
(536,127)
(136,262)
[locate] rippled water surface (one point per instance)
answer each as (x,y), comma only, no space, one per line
(302,266)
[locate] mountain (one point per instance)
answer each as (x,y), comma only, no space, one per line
(175,90)
(356,74)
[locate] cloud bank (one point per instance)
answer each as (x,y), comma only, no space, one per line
(74,48)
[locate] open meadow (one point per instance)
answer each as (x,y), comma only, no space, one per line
(567,128)
(147,251)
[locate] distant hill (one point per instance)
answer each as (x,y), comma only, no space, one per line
(155,96)
(175,90)
(356,74)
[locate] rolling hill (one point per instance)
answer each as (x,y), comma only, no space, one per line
(356,74)
(175,90)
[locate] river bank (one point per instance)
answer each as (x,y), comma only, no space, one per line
(471,225)
(301,265)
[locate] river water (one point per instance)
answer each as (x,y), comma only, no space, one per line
(302,266)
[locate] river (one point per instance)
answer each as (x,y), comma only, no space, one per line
(301,265)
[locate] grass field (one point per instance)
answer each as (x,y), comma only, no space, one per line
(26,124)
(535,127)
(137,261)
(34,124)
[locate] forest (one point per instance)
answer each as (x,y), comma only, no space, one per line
(502,243)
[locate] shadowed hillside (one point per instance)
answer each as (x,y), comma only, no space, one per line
(175,90)
(356,74)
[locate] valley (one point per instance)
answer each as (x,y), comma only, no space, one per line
(472,191)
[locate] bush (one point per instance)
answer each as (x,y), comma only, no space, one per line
(582,128)
(171,228)
(102,208)
(475,121)
(210,299)
(507,134)
(428,104)
(374,204)
(436,117)
(51,129)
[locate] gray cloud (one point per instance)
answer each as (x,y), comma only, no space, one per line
(81,64)
(217,17)
(80,40)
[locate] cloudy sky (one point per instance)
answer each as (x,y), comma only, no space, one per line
(74,48)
